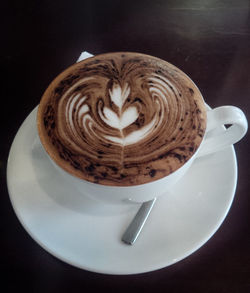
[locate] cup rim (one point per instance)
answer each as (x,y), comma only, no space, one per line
(45,141)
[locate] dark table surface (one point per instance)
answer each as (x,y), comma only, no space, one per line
(209,40)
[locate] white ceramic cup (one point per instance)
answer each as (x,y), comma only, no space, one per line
(140,193)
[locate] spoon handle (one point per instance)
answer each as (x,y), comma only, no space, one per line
(135,227)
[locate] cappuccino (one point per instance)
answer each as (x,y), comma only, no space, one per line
(121,119)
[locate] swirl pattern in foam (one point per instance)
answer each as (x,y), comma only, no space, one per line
(121,119)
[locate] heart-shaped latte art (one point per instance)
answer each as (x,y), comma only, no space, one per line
(122,119)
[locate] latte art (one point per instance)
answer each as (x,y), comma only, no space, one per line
(121,119)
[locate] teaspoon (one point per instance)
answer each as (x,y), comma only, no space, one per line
(135,227)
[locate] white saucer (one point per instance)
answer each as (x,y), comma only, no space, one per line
(87,234)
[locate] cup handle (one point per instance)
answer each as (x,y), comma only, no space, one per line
(218,117)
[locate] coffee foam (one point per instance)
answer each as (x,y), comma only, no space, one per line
(121,119)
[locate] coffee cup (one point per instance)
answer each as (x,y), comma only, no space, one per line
(125,127)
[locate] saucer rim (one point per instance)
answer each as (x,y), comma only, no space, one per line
(117,272)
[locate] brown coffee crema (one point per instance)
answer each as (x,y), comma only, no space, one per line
(121,119)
